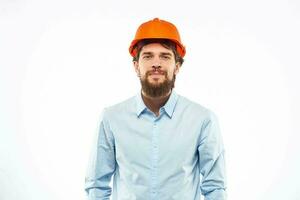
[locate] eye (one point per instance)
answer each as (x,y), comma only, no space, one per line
(165,57)
(147,56)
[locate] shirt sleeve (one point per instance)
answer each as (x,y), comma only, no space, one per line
(102,162)
(211,160)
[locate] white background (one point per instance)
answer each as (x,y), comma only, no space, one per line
(62,61)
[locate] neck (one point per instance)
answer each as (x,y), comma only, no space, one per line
(155,103)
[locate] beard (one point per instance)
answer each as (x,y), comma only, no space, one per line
(157,89)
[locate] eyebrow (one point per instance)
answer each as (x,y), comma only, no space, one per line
(166,54)
(147,53)
(163,53)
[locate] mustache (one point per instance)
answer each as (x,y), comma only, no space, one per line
(156,71)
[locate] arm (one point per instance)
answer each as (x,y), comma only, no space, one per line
(211,160)
(101,165)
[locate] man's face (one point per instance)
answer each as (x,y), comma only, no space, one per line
(157,69)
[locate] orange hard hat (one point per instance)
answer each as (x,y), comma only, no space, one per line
(157,29)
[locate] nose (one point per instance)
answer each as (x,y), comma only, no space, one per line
(156,67)
(156,63)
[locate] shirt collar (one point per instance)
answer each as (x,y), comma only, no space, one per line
(168,107)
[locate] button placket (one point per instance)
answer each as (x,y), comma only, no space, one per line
(154,159)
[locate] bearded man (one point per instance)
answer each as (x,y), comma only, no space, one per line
(157,145)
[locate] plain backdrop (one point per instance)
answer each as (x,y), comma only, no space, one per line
(63,61)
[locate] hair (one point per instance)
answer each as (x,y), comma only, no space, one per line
(164,42)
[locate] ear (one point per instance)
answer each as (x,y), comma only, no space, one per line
(177,67)
(136,67)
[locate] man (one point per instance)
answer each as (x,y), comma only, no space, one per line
(158,144)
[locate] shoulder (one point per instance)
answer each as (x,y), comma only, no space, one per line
(119,108)
(195,109)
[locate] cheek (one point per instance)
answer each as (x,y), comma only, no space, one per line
(142,72)
(139,69)
(142,68)
(171,73)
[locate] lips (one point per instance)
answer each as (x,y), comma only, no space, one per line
(157,73)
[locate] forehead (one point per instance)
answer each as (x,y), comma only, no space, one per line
(155,48)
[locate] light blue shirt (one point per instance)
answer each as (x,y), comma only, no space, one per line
(177,155)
